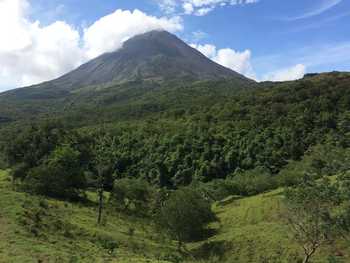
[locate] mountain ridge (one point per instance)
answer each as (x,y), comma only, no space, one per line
(153,55)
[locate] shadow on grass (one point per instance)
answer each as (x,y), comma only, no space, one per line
(208,233)
(216,249)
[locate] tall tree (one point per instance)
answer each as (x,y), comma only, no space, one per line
(103,164)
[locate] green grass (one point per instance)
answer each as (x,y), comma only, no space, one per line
(250,230)
(83,243)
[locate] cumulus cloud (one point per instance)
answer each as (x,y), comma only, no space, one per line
(31,53)
(296,72)
(241,62)
(235,60)
(238,61)
(207,50)
(104,35)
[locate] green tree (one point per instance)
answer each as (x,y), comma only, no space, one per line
(343,182)
(103,163)
(132,195)
(61,176)
(32,146)
(310,214)
(185,215)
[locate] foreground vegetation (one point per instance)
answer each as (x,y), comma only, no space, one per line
(231,178)
(249,230)
(37,229)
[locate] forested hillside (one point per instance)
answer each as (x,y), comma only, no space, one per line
(176,165)
(201,133)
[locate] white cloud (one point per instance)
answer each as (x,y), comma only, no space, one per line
(241,62)
(315,58)
(296,72)
(167,6)
(198,35)
(203,11)
(31,53)
(203,7)
(198,7)
(188,8)
(324,6)
(207,50)
(237,61)
(104,35)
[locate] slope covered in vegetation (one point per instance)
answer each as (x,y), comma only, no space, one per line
(46,230)
(141,162)
(203,133)
(249,230)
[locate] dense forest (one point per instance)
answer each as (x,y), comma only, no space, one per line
(260,131)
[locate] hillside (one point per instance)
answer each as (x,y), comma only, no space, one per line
(250,230)
(212,134)
(67,232)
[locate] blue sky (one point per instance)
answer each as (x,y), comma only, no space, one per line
(263,39)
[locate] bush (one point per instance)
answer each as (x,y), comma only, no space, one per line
(311,212)
(219,189)
(294,174)
(323,159)
(19,171)
(106,242)
(185,215)
(329,159)
(40,219)
(60,177)
(253,182)
(241,183)
(132,195)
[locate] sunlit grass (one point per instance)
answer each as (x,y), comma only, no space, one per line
(250,230)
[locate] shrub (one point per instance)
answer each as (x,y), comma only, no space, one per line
(309,211)
(219,189)
(40,219)
(294,173)
(60,177)
(19,171)
(253,182)
(106,242)
(185,215)
(132,195)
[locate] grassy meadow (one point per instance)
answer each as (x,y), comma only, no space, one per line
(249,230)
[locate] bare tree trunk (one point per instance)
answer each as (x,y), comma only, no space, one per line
(100,194)
(308,253)
(306,258)
(100,205)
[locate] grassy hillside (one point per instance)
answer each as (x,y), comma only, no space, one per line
(67,232)
(250,230)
